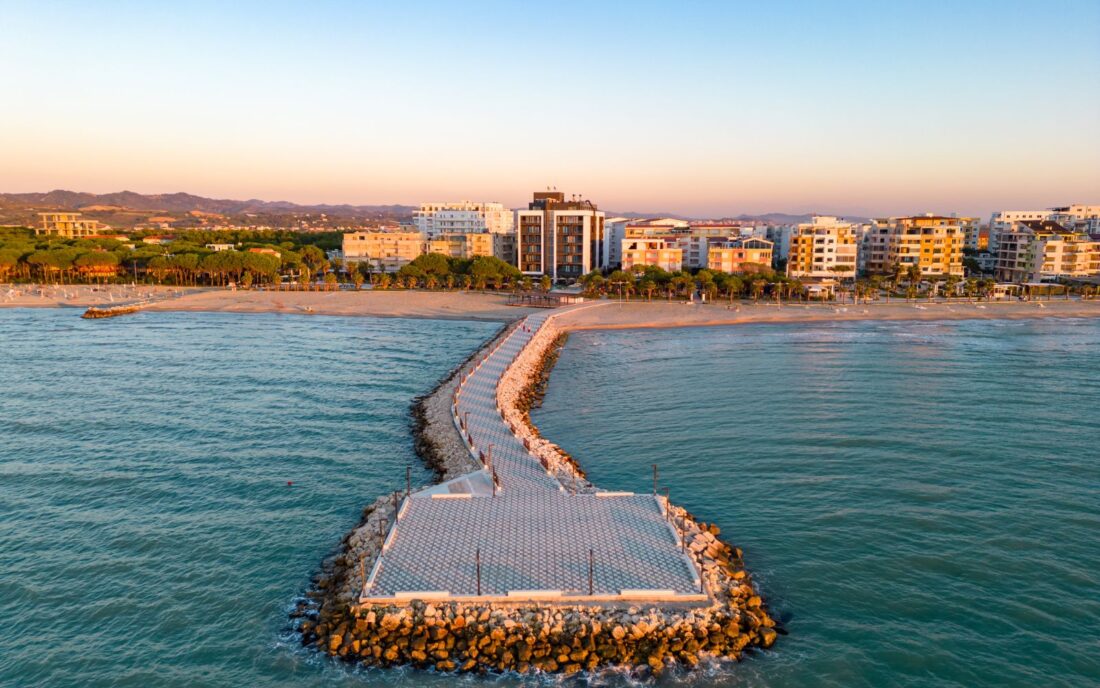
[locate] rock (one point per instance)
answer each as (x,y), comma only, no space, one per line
(767,636)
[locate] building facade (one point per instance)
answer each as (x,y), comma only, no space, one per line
(1078,218)
(1004,220)
(1041,250)
(385,251)
(740,255)
(462,217)
(466,246)
(825,247)
(560,238)
(933,243)
(68,226)
(656,252)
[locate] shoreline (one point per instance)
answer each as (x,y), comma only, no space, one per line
(491,307)
(642,637)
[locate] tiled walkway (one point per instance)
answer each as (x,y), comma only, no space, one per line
(531,535)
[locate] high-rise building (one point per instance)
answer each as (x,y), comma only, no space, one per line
(1003,220)
(822,248)
(1078,217)
(560,238)
(1041,250)
(933,243)
(462,217)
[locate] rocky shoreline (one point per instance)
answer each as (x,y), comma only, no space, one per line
(526,637)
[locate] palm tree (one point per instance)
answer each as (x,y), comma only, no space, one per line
(758,289)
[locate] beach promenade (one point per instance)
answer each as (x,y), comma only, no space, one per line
(513,531)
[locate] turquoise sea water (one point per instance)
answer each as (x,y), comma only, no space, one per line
(920,500)
(148,536)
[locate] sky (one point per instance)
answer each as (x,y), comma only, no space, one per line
(697,108)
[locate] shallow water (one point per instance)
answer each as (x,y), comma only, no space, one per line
(921,500)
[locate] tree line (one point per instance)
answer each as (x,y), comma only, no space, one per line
(186,261)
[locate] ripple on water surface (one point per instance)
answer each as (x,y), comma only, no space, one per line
(149,534)
(919,499)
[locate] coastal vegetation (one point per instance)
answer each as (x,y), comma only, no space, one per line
(192,258)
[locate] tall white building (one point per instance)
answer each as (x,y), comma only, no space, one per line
(1003,221)
(1078,217)
(463,217)
(560,238)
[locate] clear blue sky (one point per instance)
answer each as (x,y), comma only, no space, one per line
(707,108)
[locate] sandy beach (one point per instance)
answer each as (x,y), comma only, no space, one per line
(458,305)
(646,315)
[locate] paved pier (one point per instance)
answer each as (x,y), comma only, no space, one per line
(511,530)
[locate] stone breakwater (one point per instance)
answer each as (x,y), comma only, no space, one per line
(526,637)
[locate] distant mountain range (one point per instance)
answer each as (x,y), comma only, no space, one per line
(185,203)
(770,218)
(124,208)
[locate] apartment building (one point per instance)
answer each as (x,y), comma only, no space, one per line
(740,255)
(462,217)
(465,246)
(618,228)
(1003,221)
(973,237)
(1078,217)
(934,243)
(1041,250)
(68,226)
(560,238)
(657,252)
(822,248)
(385,251)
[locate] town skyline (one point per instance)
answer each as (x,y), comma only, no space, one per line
(732,213)
(848,108)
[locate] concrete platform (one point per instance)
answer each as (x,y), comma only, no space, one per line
(528,538)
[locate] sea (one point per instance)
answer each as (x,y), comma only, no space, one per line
(919,502)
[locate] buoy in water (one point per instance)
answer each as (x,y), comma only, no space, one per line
(289,483)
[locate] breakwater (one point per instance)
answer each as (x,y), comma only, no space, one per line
(664,590)
(96,312)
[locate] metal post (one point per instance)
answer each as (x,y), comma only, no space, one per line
(477,556)
(408,480)
(654,479)
(590,566)
(683,539)
(466,422)
(668,507)
(489,458)
(395,505)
